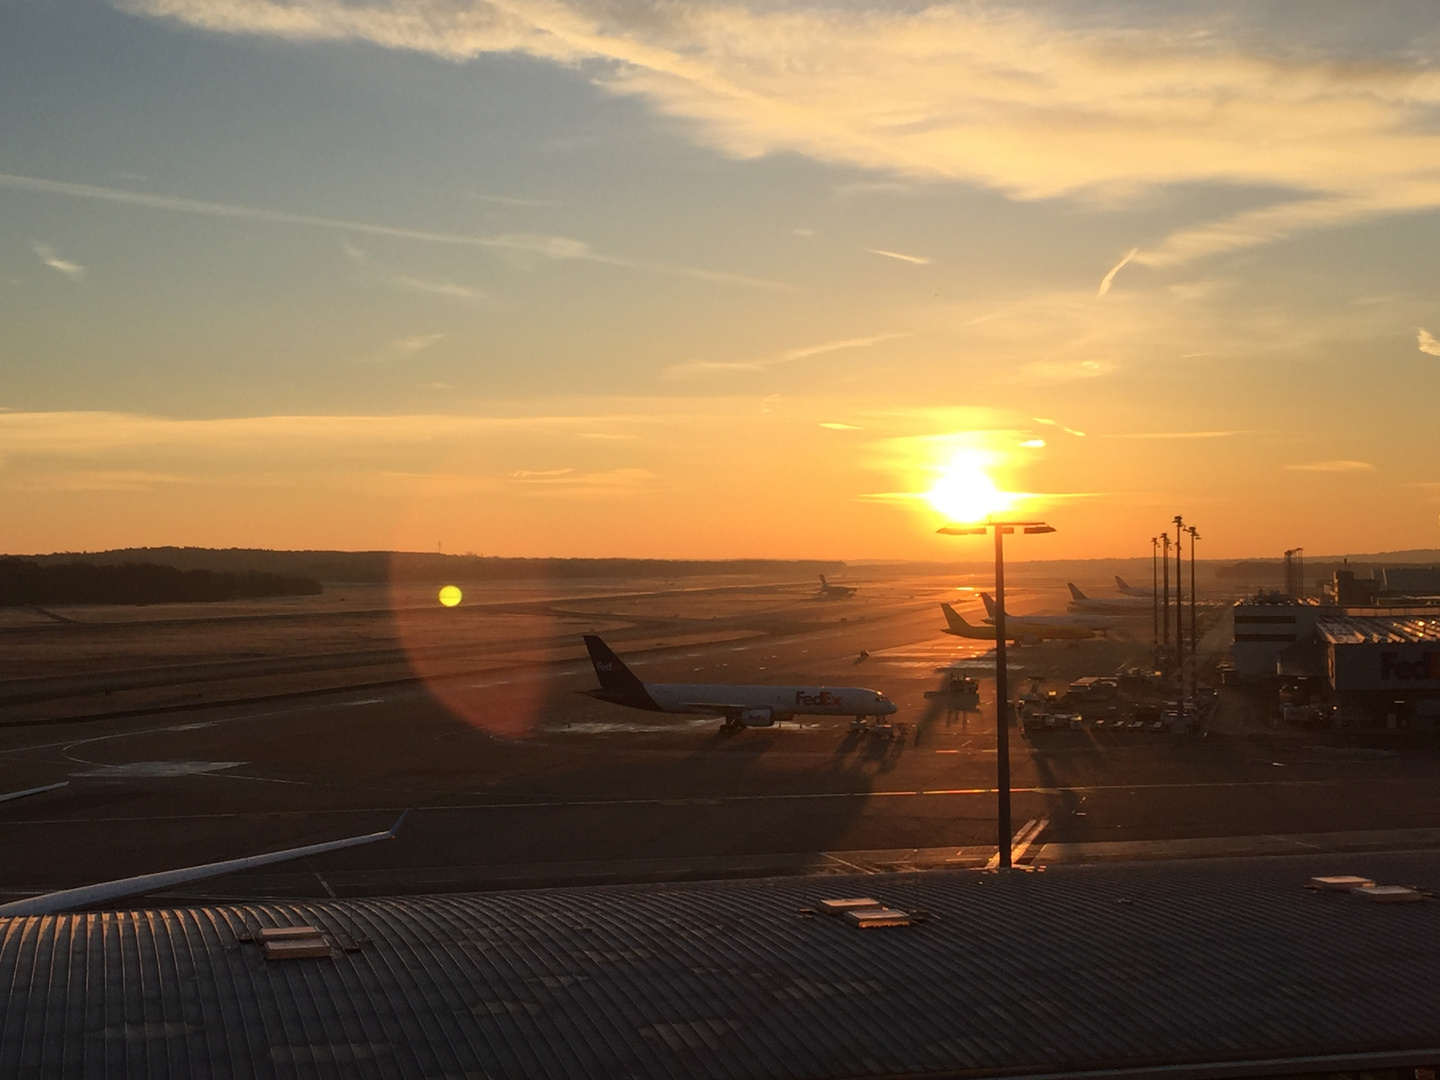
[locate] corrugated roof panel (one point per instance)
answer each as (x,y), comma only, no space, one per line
(1396,630)
(1079,967)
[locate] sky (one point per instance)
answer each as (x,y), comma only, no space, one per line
(712,280)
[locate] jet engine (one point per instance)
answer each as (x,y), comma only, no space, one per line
(757,718)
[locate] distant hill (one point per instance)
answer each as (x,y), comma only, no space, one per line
(28,582)
(383,566)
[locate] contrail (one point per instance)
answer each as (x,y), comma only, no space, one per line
(918,259)
(1108,278)
(553,247)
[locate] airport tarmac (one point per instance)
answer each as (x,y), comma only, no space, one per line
(515,779)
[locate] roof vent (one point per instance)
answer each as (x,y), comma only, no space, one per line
(293,942)
(1389,894)
(866,912)
(849,903)
(1340,883)
(871,918)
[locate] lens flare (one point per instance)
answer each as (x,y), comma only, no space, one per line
(965,492)
(451,595)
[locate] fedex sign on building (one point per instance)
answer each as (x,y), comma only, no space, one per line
(1412,667)
(1384,666)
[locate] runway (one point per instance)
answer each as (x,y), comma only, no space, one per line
(516,778)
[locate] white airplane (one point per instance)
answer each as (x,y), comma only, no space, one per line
(1131,590)
(1018,630)
(1109,605)
(741,706)
(1096,624)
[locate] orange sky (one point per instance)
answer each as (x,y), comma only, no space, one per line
(716,280)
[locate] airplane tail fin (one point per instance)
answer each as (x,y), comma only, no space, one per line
(1120,584)
(954,619)
(615,678)
(1076,593)
(823,582)
(989,604)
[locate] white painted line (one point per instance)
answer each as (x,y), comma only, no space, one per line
(1021,841)
(1018,851)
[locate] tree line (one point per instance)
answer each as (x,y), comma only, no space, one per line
(25,582)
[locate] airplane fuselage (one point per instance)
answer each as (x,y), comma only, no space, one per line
(781,702)
(741,705)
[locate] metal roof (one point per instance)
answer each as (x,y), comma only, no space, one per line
(1090,967)
(1381,630)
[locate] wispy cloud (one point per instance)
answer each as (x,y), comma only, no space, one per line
(1427,343)
(465,294)
(694,368)
(508,200)
(964,92)
(559,248)
(448,289)
(1055,423)
(1108,278)
(409,346)
(1056,371)
(919,259)
(1174,434)
(92,480)
(51,258)
(574,484)
(833,426)
(1334,467)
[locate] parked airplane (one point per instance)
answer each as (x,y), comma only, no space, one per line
(1094,624)
(741,706)
(833,592)
(1131,590)
(1108,605)
(1016,630)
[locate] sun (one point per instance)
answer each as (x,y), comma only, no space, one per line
(965,492)
(451,595)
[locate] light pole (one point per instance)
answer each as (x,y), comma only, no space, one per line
(1155,593)
(1002,674)
(1165,597)
(1179,606)
(1194,641)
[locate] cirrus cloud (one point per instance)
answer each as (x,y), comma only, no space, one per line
(960,92)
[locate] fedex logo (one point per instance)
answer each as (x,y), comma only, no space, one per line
(820,697)
(1425,666)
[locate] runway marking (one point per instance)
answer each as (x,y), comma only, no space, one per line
(1020,842)
(947,751)
(843,862)
(960,791)
(562,804)
(1036,827)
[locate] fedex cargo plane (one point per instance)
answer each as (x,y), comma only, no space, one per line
(741,706)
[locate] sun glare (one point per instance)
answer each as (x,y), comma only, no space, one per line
(965,492)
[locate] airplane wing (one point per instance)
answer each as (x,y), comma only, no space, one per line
(89,895)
